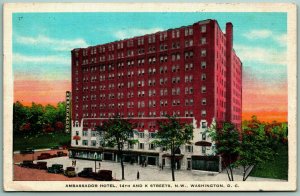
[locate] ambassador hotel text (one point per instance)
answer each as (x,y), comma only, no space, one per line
(191,71)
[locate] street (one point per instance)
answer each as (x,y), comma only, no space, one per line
(149,173)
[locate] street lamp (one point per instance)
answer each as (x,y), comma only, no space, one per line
(95,157)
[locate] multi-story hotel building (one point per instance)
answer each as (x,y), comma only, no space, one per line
(191,72)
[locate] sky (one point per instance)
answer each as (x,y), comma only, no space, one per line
(42,43)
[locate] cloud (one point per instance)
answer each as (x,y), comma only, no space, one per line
(258,34)
(255,34)
(47,59)
(267,56)
(281,39)
(55,44)
(127,33)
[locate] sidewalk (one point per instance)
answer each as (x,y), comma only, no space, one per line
(151,173)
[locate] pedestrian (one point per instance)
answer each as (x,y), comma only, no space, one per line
(72,163)
(99,165)
(138,175)
(75,163)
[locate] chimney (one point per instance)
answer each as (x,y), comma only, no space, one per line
(229,82)
(229,36)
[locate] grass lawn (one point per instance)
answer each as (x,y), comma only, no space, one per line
(278,168)
(42,140)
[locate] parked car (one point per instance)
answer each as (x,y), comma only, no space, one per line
(56,168)
(27,151)
(103,175)
(87,172)
(44,156)
(41,165)
(27,163)
(61,154)
(70,172)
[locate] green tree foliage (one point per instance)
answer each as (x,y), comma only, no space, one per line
(257,144)
(117,132)
(20,116)
(254,150)
(37,118)
(227,141)
(171,135)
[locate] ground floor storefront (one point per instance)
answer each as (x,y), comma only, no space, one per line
(100,154)
(161,160)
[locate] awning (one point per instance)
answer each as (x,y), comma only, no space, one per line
(203,143)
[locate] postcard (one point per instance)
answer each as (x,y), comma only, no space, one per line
(150,97)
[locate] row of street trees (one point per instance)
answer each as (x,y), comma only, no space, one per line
(35,119)
(253,145)
(118,132)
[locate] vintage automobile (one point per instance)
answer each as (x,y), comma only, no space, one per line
(27,151)
(103,175)
(87,172)
(56,168)
(27,163)
(44,156)
(70,172)
(41,165)
(61,154)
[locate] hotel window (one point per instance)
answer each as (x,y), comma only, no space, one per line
(177,33)
(141,145)
(152,135)
(186,32)
(204,124)
(191,101)
(203,101)
(188,148)
(130,145)
(93,143)
(203,76)
(191,114)
(141,135)
(203,113)
(151,146)
(84,133)
(203,89)
(203,136)
(203,40)
(190,31)
(203,65)
(93,133)
(186,90)
(84,142)
(203,29)
(203,53)
(191,90)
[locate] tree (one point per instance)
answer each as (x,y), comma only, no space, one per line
(117,132)
(36,117)
(227,140)
(25,128)
(171,135)
(59,126)
(255,148)
(20,118)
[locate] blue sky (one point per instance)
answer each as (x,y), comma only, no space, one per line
(42,41)
(53,35)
